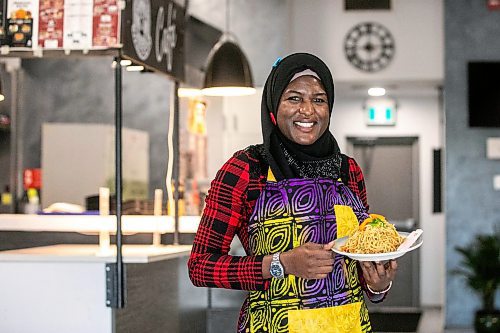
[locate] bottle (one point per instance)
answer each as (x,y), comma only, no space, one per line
(32,206)
(6,198)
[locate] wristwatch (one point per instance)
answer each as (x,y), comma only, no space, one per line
(276,269)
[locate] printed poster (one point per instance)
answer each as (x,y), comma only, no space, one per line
(50,27)
(105,23)
(23,16)
(78,24)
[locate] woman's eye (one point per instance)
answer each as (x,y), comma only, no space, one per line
(319,100)
(294,98)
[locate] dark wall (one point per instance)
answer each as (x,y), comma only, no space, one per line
(81,90)
(471,34)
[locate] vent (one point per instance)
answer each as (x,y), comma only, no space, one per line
(367,4)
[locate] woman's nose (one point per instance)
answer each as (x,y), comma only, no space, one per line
(306,108)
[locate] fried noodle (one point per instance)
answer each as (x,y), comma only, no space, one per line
(374,239)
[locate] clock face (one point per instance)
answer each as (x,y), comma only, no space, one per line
(141,28)
(369,46)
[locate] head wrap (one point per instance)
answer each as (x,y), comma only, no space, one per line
(286,158)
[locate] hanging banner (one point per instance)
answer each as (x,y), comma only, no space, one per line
(21,16)
(105,25)
(78,24)
(153,35)
(50,27)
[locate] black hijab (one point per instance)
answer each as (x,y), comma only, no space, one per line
(286,158)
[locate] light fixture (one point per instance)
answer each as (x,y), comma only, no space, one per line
(188,92)
(123,63)
(376,91)
(134,68)
(228,71)
(2,97)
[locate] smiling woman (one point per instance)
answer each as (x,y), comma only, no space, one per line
(303,113)
(281,198)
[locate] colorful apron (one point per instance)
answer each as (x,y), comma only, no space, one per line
(287,214)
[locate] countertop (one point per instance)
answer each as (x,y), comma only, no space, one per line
(95,223)
(90,253)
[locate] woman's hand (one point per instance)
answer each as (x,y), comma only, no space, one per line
(377,275)
(309,260)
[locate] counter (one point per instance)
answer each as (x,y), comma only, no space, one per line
(62,288)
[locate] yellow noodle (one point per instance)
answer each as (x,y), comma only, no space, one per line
(374,239)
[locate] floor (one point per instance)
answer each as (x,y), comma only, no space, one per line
(432,322)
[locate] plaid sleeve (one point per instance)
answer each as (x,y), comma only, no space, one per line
(210,265)
(357,182)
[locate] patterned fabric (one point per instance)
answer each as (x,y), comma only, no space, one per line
(288,214)
(230,202)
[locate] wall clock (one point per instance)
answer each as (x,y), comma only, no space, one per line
(141,28)
(369,46)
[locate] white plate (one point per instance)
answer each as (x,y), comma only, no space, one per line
(375,256)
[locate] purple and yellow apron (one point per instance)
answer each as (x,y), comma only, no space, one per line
(287,214)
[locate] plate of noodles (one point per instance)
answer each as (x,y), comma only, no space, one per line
(375,240)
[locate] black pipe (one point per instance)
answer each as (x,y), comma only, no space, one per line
(118,184)
(176,161)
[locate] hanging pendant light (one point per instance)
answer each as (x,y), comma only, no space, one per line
(228,71)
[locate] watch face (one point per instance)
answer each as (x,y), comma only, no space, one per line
(369,46)
(276,270)
(141,28)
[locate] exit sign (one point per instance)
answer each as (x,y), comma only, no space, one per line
(380,112)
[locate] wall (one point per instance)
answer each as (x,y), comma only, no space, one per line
(323,25)
(82,91)
(417,116)
(471,203)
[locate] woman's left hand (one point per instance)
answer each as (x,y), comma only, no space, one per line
(379,275)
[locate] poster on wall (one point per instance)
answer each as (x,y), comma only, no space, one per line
(22,18)
(153,35)
(105,24)
(78,24)
(50,27)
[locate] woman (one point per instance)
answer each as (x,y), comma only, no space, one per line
(284,199)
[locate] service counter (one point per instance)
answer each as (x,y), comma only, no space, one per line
(65,287)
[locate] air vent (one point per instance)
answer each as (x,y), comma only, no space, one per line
(367,4)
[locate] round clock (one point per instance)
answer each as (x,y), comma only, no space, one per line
(369,46)
(141,28)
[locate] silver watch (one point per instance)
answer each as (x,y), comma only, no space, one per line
(276,269)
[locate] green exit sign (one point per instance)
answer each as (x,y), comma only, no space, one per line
(380,111)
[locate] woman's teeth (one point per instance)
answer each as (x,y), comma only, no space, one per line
(301,124)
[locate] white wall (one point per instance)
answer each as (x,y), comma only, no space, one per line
(417,116)
(320,26)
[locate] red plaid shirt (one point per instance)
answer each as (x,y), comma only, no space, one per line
(229,204)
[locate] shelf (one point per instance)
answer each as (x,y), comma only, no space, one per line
(95,223)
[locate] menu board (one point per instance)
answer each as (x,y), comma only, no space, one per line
(22,18)
(105,25)
(60,24)
(50,27)
(78,24)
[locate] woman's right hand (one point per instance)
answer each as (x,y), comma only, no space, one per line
(309,260)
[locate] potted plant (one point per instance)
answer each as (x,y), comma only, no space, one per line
(480,266)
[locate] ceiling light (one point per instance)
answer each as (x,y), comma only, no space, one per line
(134,68)
(188,92)
(228,71)
(376,91)
(123,62)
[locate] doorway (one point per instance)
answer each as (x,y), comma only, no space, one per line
(390,166)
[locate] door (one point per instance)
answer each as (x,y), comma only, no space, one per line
(390,167)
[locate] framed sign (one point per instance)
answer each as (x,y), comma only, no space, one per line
(153,35)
